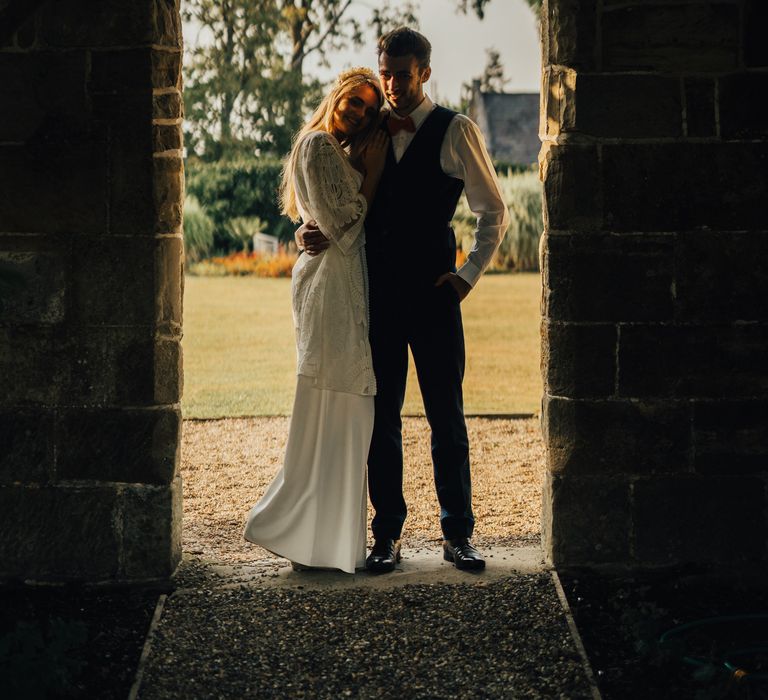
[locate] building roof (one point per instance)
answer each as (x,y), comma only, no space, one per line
(509,122)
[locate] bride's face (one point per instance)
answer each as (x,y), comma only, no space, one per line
(355,110)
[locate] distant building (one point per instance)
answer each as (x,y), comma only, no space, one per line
(509,122)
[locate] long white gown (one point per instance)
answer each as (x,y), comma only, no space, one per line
(314,511)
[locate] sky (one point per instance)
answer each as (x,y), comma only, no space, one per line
(459,44)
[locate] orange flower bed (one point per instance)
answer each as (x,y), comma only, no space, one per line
(257,264)
(260,265)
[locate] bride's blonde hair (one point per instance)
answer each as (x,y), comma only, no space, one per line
(322,120)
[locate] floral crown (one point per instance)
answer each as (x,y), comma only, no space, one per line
(357,70)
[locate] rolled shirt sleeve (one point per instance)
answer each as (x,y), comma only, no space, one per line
(464,156)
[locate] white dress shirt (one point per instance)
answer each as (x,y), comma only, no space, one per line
(463,155)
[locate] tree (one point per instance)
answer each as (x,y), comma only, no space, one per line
(478,6)
(493,79)
(246,88)
(229,75)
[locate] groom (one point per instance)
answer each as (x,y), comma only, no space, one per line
(415,292)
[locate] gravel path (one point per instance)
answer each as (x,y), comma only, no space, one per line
(227,465)
(224,634)
(506,639)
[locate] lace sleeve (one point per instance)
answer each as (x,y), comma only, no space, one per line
(333,189)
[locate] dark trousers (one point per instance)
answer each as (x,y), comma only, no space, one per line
(429,320)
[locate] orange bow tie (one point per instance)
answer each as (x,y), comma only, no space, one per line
(394,124)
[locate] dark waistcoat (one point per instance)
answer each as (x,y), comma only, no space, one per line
(408,228)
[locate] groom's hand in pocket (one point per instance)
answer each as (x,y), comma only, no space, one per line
(458,283)
(310,239)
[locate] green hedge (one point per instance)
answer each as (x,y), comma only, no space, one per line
(233,189)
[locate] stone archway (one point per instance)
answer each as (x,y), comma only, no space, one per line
(90,234)
(655,167)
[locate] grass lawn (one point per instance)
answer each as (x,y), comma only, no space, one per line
(240,357)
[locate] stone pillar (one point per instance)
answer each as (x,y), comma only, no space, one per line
(91,283)
(655,265)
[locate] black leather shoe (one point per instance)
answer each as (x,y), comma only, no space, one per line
(463,554)
(385,553)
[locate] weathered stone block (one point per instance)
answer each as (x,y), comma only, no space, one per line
(119,445)
(57,189)
(627,106)
(568,33)
(616,437)
(700,107)
(693,361)
(43,96)
(167,138)
(731,437)
(26,446)
(120,71)
(586,520)
(755,22)
(166,23)
(131,361)
(108,23)
(572,191)
(168,105)
(693,519)
(119,366)
(168,194)
(743,104)
(28,372)
(168,371)
(701,37)
(151,530)
(721,276)
(558,101)
(166,69)
(578,361)
(39,270)
(679,186)
(610,278)
(58,533)
(129,118)
(26,34)
(169,285)
(84,366)
(114,280)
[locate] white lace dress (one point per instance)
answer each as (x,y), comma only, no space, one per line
(314,511)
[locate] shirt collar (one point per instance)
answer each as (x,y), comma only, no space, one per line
(420,113)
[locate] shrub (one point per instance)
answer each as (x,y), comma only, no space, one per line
(519,247)
(198,230)
(239,188)
(243,228)
(522,193)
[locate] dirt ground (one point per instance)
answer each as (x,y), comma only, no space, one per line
(227,464)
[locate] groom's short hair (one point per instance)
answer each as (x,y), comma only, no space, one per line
(404,41)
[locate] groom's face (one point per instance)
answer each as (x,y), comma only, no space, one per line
(402,81)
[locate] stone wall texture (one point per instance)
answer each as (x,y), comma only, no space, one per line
(91,184)
(655,265)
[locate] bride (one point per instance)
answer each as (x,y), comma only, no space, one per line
(314,511)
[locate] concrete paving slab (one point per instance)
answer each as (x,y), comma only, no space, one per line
(423,565)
